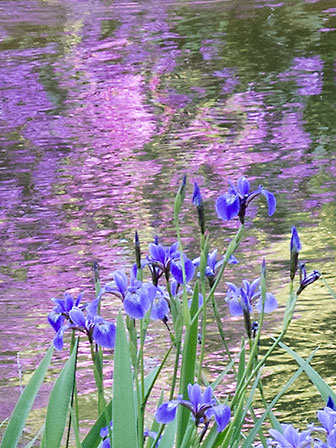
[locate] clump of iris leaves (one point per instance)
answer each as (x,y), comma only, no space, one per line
(167,286)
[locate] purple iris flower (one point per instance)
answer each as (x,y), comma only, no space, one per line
(176,269)
(94,326)
(104,432)
(291,437)
(202,405)
(244,298)
(212,263)
(60,312)
(235,201)
(160,307)
(136,296)
(327,418)
(160,258)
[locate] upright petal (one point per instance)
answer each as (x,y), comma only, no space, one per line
(243,186)
(295,244)
(195,396)
(197,198)
(69,301)
(121,281)
(207,395)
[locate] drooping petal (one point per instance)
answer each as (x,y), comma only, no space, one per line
(176,270)
(271,303)
(77,317)
(331,439)
(271,201)
(160,308)
(56,320)
(138,302)
(243,186)
(135,307)
(222,416)
(104,333)
(106,444)
(166,412)
(235,307)
(227,206)
(58,339)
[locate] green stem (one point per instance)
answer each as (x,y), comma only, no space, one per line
(185,308)
(234,244)
(176,364)
(98,375)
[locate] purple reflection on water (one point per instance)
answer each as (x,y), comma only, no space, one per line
(308,74)
(289,132)
(230,80)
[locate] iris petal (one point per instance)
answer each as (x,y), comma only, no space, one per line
(271,201)
(243,186)
(160,308)
(222,416)
(77,317)
(227,206)
(235,307)
(271,303)
(166,412)
(104,333)
(176,270)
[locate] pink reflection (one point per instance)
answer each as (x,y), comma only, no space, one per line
(290,133)
(308,73)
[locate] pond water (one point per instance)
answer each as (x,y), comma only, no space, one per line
(105,105)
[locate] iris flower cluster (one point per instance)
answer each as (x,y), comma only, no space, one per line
(289,437)
(69,314)
(247,297)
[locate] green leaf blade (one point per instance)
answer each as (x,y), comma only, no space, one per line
(58,404)
(25,403)
(123,405)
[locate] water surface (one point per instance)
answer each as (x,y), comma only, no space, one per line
(105,105)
